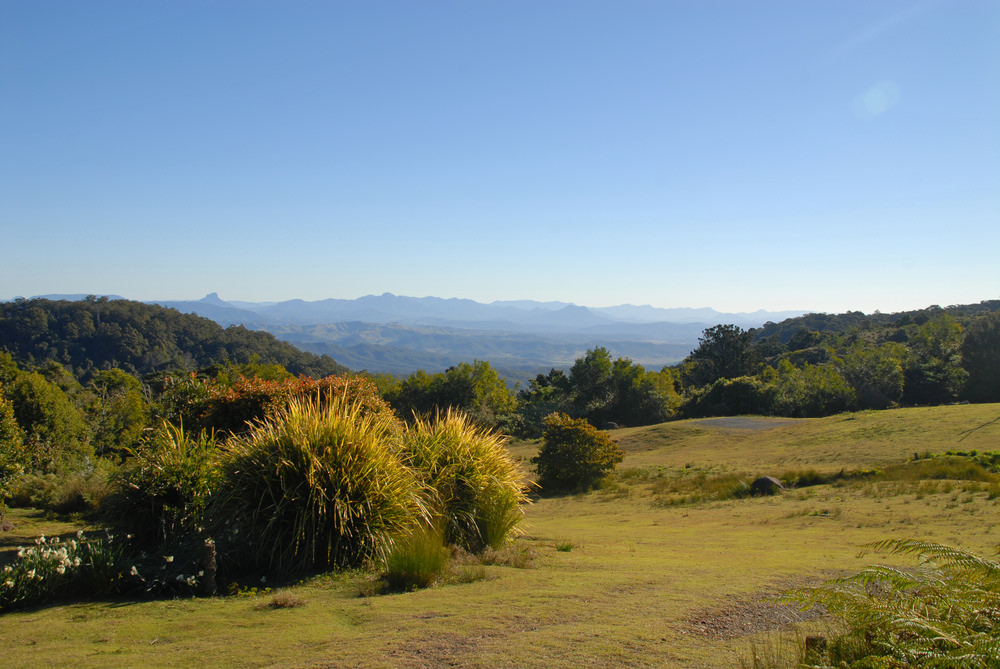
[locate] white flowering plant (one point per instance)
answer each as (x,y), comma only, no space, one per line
(81,566)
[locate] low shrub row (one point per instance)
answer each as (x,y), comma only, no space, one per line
(323,483)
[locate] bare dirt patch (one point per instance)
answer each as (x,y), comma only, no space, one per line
(740,616)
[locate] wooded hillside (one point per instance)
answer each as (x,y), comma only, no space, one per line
(98,334)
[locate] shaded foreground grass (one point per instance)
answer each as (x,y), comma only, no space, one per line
(645,585)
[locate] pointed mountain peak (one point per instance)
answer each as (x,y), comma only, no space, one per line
(213,298)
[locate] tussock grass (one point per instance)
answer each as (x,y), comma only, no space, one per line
(322,484)
(700,487)
(416,561)
(478,487)
(280,600)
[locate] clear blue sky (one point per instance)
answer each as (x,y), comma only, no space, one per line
(816,154)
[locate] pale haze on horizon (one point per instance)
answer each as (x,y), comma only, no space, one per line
(825,156)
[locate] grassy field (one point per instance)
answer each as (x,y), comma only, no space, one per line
(647,572)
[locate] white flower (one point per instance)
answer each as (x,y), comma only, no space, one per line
(76,562)
(40,540)
(79,534)
(31,574)
(7,569)
(168,558)
(61,569)
(9,583)
(72,544)
(134,572)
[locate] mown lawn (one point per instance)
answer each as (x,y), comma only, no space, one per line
(641,580)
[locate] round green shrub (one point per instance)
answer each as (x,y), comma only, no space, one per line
(575,455)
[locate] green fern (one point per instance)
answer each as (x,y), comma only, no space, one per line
(945,612)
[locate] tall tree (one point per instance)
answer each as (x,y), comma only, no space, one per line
(934,373)
(876,374)
(981,359)
(724,352)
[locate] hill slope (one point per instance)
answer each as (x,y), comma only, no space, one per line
(139,338)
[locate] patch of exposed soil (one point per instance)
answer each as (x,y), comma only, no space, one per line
(748,615)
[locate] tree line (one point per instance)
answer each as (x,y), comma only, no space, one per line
(87,377)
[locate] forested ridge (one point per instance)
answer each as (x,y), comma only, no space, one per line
(96,334)
(838,323)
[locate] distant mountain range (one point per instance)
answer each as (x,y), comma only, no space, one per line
(399,335)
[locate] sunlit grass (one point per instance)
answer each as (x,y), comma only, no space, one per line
(625,596)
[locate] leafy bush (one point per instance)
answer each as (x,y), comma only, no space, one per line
(809,390)
(13,456)
(477,484)
(729,397)
(574,455)
(65,492)
(321,484)
(944,613)
(164,488)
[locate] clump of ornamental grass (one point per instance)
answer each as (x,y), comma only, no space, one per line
(320,484)
(477,486)
(943,613)
(416,561)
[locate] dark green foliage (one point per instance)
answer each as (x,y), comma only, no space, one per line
(934,374)
(981,359)
(55,431)
(165,486)
(118,414)
(95,334)
(601,390)
(876,374)
(808,391)
(724,352)
(591,384)
(827,324)
(475,389)
(729,397)
(13,456)
(575,456)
